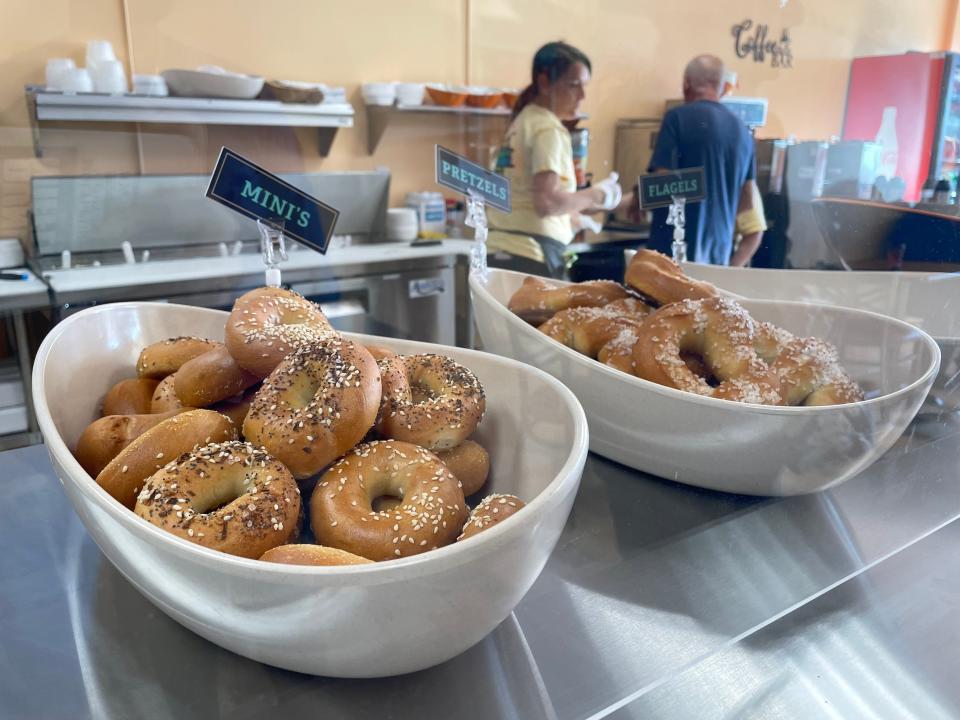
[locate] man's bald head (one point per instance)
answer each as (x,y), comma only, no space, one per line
(703,78)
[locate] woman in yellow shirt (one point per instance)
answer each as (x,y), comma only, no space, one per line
(537,158)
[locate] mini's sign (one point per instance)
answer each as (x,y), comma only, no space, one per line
(659,189)
(252,191)
(464,176)
(751,40)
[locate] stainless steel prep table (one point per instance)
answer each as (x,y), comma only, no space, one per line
(16,298)
(659,601)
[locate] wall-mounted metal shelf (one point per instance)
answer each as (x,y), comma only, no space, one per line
(379,116)
(98,107)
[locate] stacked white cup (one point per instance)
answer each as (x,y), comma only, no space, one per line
(107,72)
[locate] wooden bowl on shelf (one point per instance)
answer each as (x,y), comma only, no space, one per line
(510,97)
(447,95)
(484,98)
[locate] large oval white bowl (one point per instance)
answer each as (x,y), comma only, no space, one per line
(359,621)
(729,446)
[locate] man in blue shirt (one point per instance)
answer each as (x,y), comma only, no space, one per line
(702,132)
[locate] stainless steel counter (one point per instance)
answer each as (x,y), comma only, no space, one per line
(659,601)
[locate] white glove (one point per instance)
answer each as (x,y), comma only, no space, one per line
(585,222)
(612,192)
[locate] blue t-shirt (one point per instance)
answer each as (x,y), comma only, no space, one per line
(704,133)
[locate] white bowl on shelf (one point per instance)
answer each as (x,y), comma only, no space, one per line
(725,445)
(212,83)
(410,93)
(378,93)
(354,621)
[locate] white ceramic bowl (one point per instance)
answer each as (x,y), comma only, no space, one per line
(724,445)
(204,83)
(410,93)
(359,621)
(931,301)
(378,93)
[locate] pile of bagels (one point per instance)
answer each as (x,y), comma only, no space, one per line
(291,443)
(668,328)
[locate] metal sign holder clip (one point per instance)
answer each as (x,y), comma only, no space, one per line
(677,217)
(477,219)
(273,250)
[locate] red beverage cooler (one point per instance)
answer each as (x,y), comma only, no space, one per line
(910,105)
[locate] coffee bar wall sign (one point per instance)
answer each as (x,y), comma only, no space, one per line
(661,188)
(755,40)
(464,176)
(252,191)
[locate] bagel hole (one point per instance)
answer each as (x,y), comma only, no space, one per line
(420,393)
(386,502)
(698,366)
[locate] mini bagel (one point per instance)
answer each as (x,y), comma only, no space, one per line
(165,397)
(536,301)
(318,403)
(267,323)
(810,374)
(130,397)
(469,462)
(226,496)
(210,378)
(431,515)
(236,408)
(312,555)
(722,334)
(103,439)
(492,510)
(429,400)
(165,357)
(123,476)
(380,353)
(659,278)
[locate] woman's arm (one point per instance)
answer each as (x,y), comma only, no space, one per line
(550,199)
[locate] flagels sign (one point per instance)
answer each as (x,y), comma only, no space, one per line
(661,188)
(458,173)
(252,191)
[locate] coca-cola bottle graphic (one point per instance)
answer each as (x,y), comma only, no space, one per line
(887,140)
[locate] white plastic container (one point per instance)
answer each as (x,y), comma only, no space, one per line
(55,69)
(402,224)
(431,211)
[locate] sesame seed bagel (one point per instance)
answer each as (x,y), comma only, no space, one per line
(210,378)
(720,332)
(317,404)
(469,462)
(165,397)
(124,475)
(491,510)
(659,278)
(536,300)
(431,515)
(130,397)
(229,496)
(379,352)
(429,400)
(267,323)
(102,440)
(312,555)
(165,357)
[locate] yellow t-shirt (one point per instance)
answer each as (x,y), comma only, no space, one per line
(535,142)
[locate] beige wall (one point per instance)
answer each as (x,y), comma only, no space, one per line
(638,49)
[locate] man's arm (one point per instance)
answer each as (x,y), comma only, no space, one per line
(750,224)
